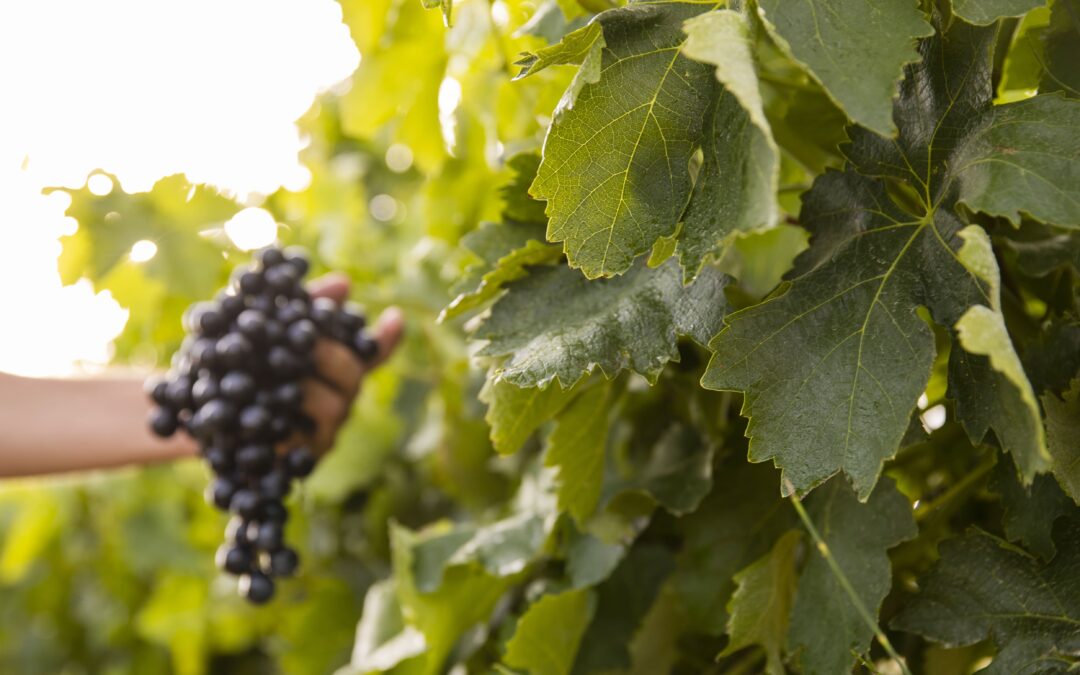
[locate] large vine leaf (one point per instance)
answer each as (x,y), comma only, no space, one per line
(1030,512)
(832,364)
(1024,161)
(983,587)
(736,186)
(856,50)
(547,636)
(556,324)
(826,629)
(577,447)
(514,413)
(1063,432)
(761,606)
(615,169)
(988,11)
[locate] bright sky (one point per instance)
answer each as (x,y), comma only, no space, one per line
(142,89)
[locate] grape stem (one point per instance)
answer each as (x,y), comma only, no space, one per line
(867,617)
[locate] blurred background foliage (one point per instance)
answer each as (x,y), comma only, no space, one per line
(113,572)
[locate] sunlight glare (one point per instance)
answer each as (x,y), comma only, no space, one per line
(252,228)
(143,250)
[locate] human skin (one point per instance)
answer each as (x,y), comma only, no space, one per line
(61,425)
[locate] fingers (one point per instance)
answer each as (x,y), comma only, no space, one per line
(328,409)
(334,286)
(339,367)
(388,331)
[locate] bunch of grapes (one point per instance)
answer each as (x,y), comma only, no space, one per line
(236,387)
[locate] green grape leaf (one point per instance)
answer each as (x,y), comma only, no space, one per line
(556,324)
(761,605)
(826,629)
(1030,512)
(518,205)
(548,634)
(382,638)
(1023,161)
(1041,249)
(466,596)
(677,473)
(1062,49)
(736,524)
(987,378)
(988,11)
(616,161)
(885,242)
(571,50)
(1063,435)
(173,214)
(736,186)
(590,560)
(514,413)
(856,50)
(983,587)
(577,448)
(622,603)
(1024,62)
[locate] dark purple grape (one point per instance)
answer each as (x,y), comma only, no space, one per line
(250,282)
(283,363)
(271,536)
(299,462)
(264,398)
(220,493)
(255,459)
(275,332)
(178,393)
(163,421)
(230,305)
(252,324)
(234,559)
(254,420)
(156,388)
(352,317)
(301,335)
(284,562)
(365,348)
(291,311)
(289,395)
(264,303)
(203,353)
(295,257)
(238,387)
(234,351)
(257,587)
(245,503)
(279,429)
(219,459)
(205,389)
(274,485)
(324,313)
(216,416)
(281,278)
(269,257)
(273,511)
(211,322)
(239,530)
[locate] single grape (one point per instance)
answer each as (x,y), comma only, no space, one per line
(257,587)
(219,459)
(252,324)
(365,348)
(295,257)
(238,387)
(178,393)
(271,536)
(163,421)
(262,302)
(273,511)
(275,332)
(281,278)
(269,257)
(216,416)
(203,353)
(283,363)
(211,322)
(239,530)
(291,311)
(279,428)
(220,493)
(245,503)
(301,336)
(274,485)
(254,420)
(157,389)
(289,395)
(205,389)
(284,562)
(255,459)
(234,351)
(234,559)
(250,282)
(352,317)
(299,462)
(230,305)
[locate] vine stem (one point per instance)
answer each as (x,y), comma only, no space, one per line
(867,617)
(960,489)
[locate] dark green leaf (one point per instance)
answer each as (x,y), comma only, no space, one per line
(1030,512)
(556,324)
(514,413)
(826,629)
(677,474)
(1063,437)
(989,11)
(983,587)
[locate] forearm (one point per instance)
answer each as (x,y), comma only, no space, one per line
(50,426)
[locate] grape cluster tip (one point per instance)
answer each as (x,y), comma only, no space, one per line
(236,387)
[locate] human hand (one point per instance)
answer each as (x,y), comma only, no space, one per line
(329,395)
